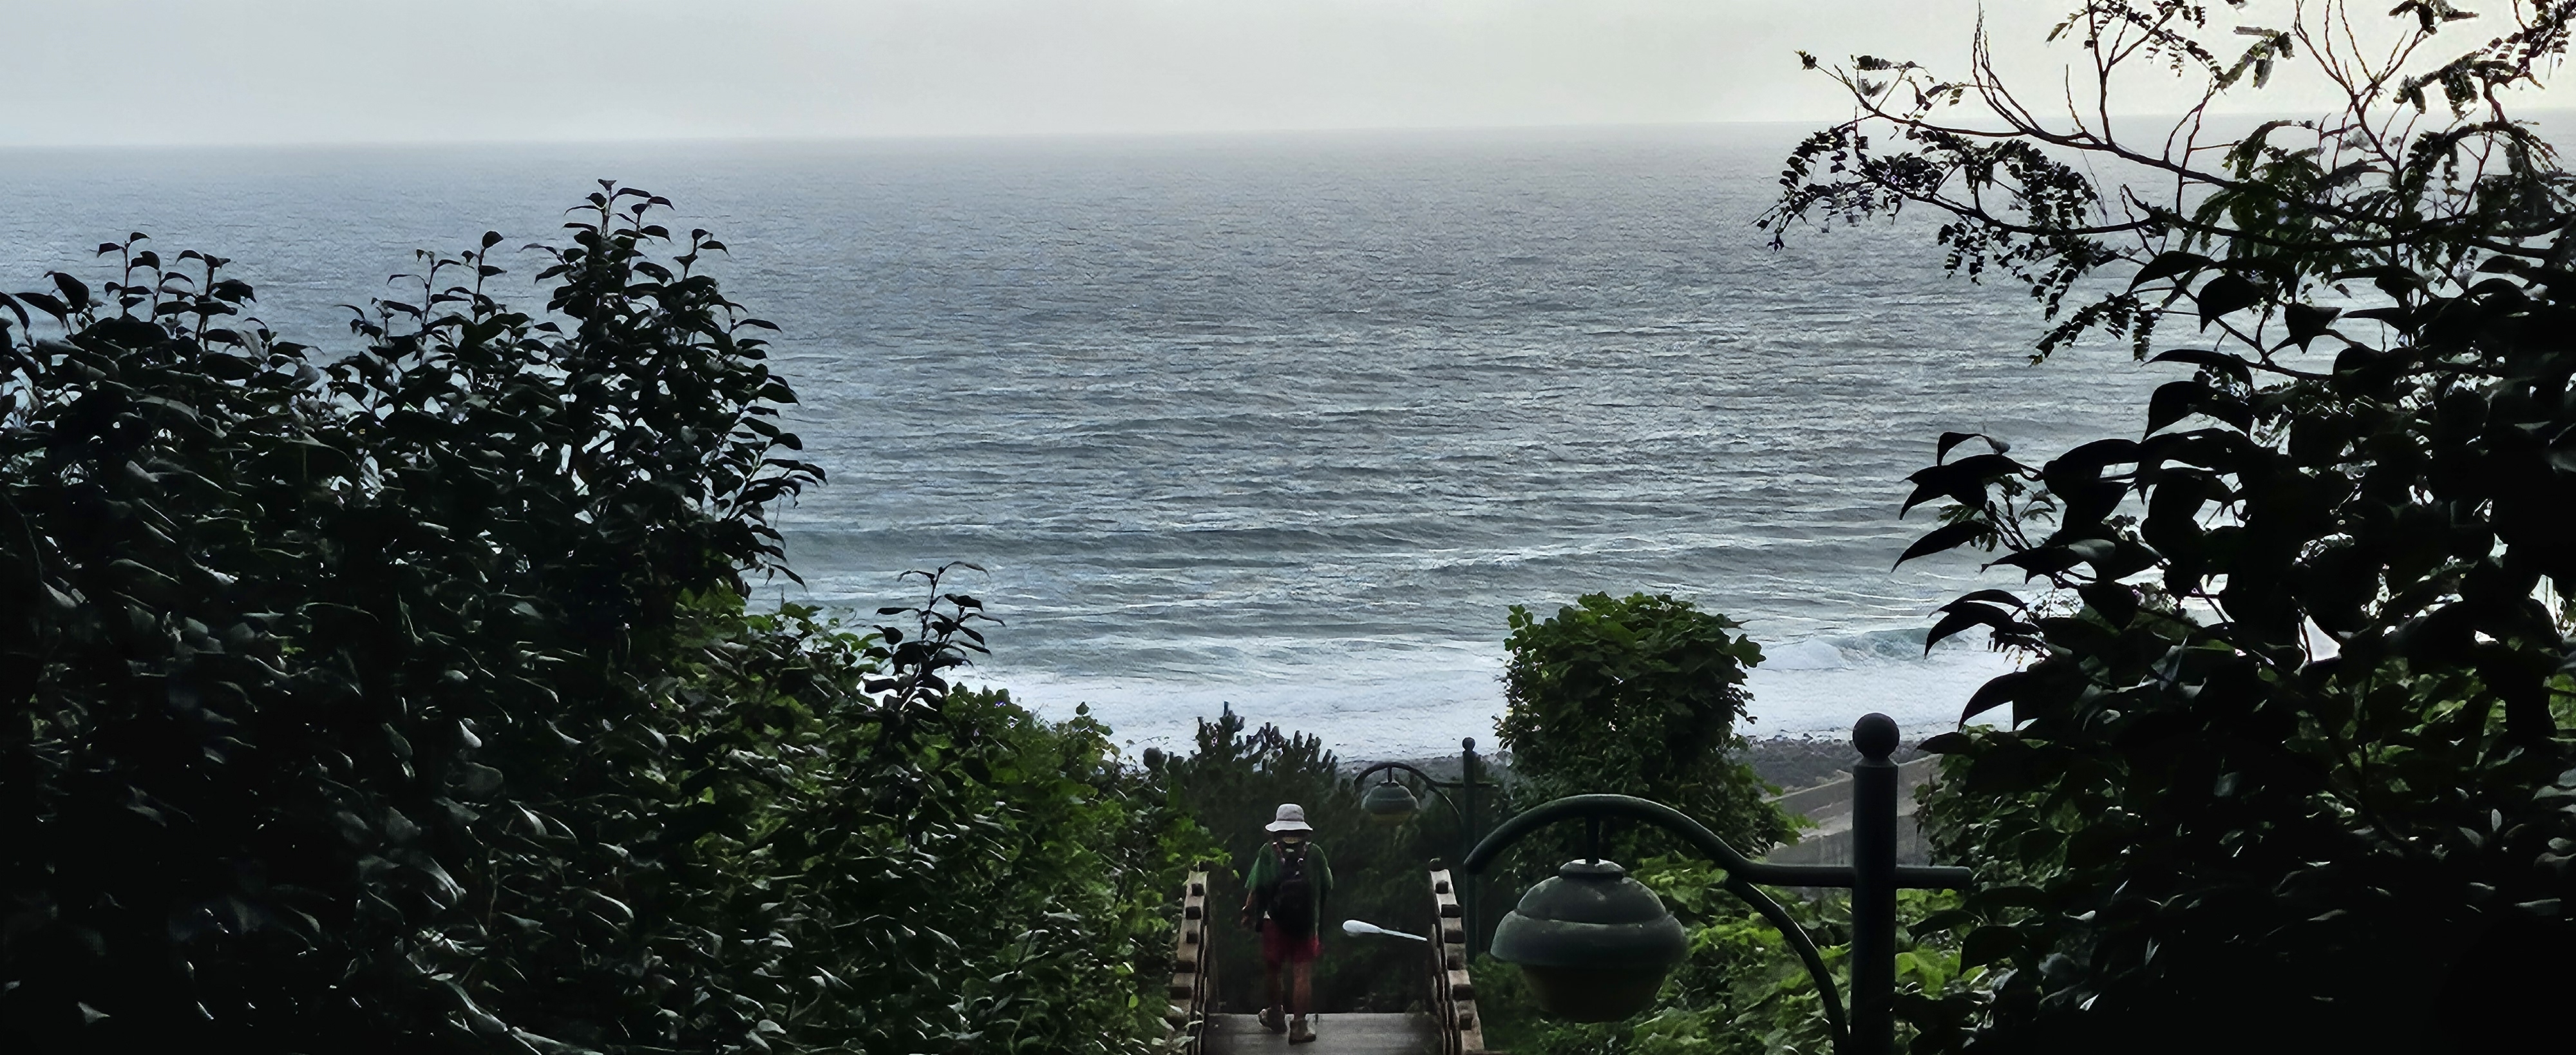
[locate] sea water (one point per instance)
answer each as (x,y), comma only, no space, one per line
(1286,422)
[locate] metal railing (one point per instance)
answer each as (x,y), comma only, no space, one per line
(1193,985)
(1453,994)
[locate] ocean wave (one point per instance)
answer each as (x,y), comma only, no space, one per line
(1848,651)
(1296,446)
(1392,698)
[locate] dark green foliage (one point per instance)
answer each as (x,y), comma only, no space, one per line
(1637,696)
(1232,782)
(1641,696)
(403,700)
(2291,760)
(1743,991)
(947,874)
(302,658)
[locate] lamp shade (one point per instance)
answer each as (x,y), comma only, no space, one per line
(1593,944)
(1389,803)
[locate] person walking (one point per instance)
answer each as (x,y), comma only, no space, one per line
(1284,898)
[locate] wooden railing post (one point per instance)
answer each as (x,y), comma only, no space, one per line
(1193,971)
(1453,992)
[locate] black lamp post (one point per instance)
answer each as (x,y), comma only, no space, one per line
(1390,802)
(1595,944)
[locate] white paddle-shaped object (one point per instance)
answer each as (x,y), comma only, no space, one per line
(1356,928)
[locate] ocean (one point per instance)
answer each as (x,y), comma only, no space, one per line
(1284,422)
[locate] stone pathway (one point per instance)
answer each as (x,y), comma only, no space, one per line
(1396,1034)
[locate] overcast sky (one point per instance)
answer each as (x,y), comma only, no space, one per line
(269,71)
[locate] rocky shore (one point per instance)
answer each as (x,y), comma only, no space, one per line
(1791,762)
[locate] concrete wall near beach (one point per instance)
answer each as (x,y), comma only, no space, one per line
(1829,806)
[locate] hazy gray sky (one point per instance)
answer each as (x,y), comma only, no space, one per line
(171,71)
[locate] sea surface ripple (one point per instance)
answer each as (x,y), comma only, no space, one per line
(1281,421)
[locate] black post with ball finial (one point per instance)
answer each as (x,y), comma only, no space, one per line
(1873,1012)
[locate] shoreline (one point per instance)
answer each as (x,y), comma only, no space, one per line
(1790,763)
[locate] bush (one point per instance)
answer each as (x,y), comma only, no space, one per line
(1638,696)
(405,699)
(946,872)
(1641,696)
(2290,765)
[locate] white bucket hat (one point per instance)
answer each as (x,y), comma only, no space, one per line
(1292,818)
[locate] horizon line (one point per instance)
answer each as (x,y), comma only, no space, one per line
(820,139)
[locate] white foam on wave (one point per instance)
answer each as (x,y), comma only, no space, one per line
(1820,687)
(1410,714)
(1420,703)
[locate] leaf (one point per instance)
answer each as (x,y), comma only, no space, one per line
(2044,560)
(2078,472)
(2227,363)
(2306,323)
(480,779)
(1946,537)
(2173,402)
(2092,550)
(1996,692)
(1994,596)
(1962,615)
(2114,602)
(48,304)
(1989,944)
(1964,481)
(2395,281)
(1952,439)
(2225,294)
(2169,264)
(74,293)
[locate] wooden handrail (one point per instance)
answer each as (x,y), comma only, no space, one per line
(1453,993)
(1193,972)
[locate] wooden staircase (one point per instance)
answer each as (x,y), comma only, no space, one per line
(1356,1034)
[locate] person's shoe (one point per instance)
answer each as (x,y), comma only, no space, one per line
(1273,1021)
(1299,1033)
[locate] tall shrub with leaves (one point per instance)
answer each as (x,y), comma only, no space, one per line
(884,862)
(2291,754)
(310,657)
(404,699)
(1639,695)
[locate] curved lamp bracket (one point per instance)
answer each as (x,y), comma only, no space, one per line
(1741,873)
(1362,776)
(1573,807)
(1436,787)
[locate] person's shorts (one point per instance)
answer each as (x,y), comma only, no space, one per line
(1279,946)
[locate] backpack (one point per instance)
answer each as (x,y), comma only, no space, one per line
(1292,899)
